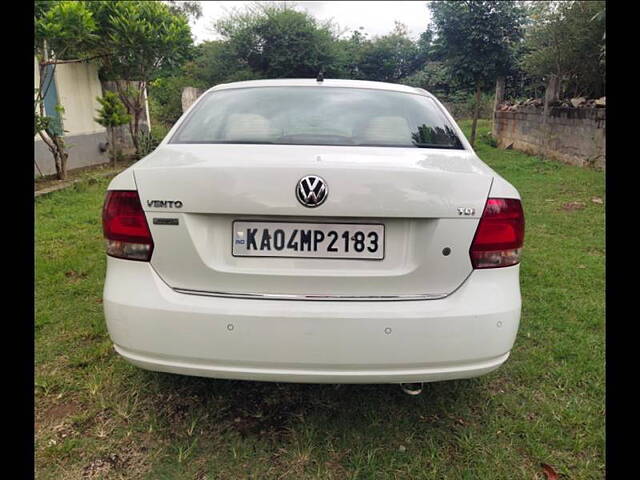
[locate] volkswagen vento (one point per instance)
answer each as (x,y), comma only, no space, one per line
(314,231)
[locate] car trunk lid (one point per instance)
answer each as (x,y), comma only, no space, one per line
(429,201)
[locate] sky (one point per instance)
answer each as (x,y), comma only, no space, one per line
(377,18)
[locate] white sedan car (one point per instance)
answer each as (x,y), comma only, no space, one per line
(330,231)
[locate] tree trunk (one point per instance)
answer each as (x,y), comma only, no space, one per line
(476,113)
(124,92)
(551,94)
(113,149)
(498,100)
(64,156)
(56,161)
(60,157)
(138,110)
(136,129)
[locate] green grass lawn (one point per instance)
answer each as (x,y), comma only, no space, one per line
(99,417)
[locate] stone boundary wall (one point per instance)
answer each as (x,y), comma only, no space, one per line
(570,135)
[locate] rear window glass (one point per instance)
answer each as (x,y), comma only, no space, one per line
(318,116)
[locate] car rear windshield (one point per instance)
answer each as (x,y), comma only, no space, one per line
(318,116)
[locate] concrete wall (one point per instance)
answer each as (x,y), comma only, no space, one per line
(570,135)
(84,152)
(78,90)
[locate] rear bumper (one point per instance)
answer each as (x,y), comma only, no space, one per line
(466,334)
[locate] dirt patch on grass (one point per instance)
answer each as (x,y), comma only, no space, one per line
(74,276)
(253,410)
(54,426)
(571,206)
(48,417)
(62,410)
(130,462)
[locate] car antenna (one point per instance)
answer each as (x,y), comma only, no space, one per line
(320,77)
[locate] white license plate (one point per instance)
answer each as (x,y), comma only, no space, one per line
(310,240)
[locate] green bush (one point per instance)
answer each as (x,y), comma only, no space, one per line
(111,114)
(147,143)
(165,98)
(489,139)
(159,131)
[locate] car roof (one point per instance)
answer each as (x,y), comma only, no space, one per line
(327,82)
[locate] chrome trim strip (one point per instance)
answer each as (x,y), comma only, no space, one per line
(338,298)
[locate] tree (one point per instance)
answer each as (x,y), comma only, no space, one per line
(433,77)
(63,33)
(350,51)
(141,41)
(276,41)
(191,10)
(390,57)
(567,40)
(165,98)
(477,40)
(213,63)
(112,113)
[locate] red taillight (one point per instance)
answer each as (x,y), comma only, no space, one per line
(500,234)
(125,226)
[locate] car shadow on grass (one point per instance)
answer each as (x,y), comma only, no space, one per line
(266,410)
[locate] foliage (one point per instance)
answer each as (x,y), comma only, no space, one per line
(261,41)
(141,41)
(165,98)
(350,51)
(147,142)
(462,105)
(63,30)
(433,77)
(191,10)
(134,41)
(388,58)
(51,125)
(477,40)
(112,112)
(276,41)
(212,64)
(567,39)
(159,130)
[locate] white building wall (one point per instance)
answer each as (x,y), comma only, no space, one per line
(78,89)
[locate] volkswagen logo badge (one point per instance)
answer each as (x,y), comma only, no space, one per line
(312,191)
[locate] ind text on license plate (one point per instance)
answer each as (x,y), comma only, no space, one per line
(321,240)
